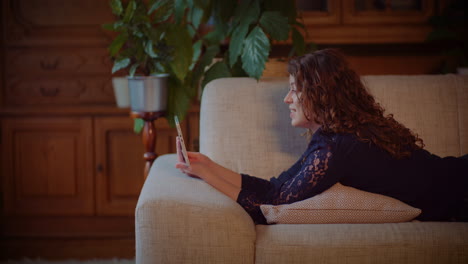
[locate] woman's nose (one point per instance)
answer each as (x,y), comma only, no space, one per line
(287,98)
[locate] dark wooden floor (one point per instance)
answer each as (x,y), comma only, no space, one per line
(67,248)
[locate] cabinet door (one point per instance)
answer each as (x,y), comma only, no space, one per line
(120,163)
(47,166)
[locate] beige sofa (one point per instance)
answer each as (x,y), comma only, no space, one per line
(245,127)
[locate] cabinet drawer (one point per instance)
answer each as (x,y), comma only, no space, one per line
(59,91)
(35,61)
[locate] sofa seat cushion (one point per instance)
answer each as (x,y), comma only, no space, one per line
(413,242)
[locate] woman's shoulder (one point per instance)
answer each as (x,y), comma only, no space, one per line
(334,142)
(334,138)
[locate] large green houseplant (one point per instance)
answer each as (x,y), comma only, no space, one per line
(196,41)
(146,43)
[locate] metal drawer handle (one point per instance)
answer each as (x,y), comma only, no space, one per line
(51,92)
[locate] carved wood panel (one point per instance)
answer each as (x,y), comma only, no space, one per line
(51,22)
(59,91)
(58,61)
(47,166)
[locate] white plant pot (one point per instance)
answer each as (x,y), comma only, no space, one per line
(148,93)
(122,97)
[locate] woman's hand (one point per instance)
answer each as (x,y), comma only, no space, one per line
(225,180)
(200,165)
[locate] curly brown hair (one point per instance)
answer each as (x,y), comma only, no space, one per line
(335,97)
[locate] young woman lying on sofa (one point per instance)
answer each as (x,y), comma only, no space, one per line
(352,143)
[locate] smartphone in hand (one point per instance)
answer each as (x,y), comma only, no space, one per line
(180,142)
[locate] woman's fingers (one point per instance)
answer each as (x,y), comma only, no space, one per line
(182,166)
(180,156)
(186,169)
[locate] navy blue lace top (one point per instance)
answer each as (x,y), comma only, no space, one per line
(425,181)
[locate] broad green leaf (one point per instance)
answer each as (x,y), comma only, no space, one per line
(191,31)
(140,15)
(131,7)
(224,9)
(154,34)
(298,42)
(179,38)
(241,9)
(116,6)
(249,14)
(237,71)
(255,53)
(237,40)
(197,47)
(138,125)
(206,59)
(216,71)
(149,49)
(120,64)
(164,11)
(178,101)
(156,4)
(275,25)
(196,16)
(179,10)
(108,26)
(216,36)
(119,26)
(133,69)
(117,44)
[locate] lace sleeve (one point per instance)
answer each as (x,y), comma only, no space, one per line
(312,179)
(251,202)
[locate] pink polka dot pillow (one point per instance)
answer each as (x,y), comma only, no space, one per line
(341,204)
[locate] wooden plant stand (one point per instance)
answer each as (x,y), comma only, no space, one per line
(149,136)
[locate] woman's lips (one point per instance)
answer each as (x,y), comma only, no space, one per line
(291,112)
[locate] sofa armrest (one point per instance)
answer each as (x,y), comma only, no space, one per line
(179,219)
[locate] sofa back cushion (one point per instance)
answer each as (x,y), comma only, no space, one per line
(433,106)
(245,126)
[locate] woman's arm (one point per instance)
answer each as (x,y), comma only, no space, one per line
(221,178)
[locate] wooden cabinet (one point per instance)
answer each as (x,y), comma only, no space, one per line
(47,165)
(71,165)
(73,174)
(368,21)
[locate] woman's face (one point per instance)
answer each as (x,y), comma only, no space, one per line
(298,118)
